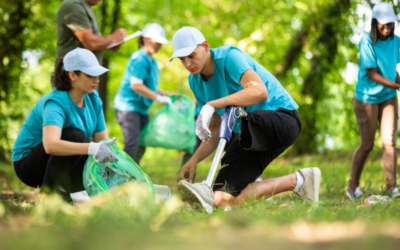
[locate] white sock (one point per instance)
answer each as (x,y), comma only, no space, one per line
(300,182)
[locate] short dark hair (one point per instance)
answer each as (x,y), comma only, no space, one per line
(140,42)
(374,31)
(61,80)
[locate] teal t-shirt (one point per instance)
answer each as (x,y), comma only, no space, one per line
(230,64)
(140,65)
(384,55)
(57,108)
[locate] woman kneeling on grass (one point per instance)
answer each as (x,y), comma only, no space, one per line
(376,97)
(52,146)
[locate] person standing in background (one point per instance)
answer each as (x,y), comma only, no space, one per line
(139,89)
(77,26)
(376,97)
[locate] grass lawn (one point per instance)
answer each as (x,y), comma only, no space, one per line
(334,223)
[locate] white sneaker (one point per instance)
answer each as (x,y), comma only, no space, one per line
(395,193)
(310,188)
(198,195)
(358,192)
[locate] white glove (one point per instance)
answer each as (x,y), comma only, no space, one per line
(203,121)
(163,99)
(101,151)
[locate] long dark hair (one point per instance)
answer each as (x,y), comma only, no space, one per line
(140,42)
(61,80)
(374,31)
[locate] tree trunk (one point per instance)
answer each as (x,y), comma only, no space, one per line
(107,27)
(12,44)
(103,86)
(314,88)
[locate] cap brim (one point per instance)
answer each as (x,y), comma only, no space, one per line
(158,39)
(161,40)
(95,70)
(387,20)
(183,52)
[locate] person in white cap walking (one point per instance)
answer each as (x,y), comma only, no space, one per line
(139,89)
(376,97)
(52,145)
(227,76)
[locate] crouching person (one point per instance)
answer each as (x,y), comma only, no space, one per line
(52,146)
(228,76)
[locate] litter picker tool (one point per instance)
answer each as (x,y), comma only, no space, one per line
(225,133)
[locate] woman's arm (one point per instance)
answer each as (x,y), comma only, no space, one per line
(378,78)
(166,93)
(144,91)
(397,78)
(254,91)
(103,135)
(53,145)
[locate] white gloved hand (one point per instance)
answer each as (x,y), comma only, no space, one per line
(203,122)
(101,151)
(163,99)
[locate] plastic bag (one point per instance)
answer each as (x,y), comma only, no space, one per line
(105,177)
(173,127)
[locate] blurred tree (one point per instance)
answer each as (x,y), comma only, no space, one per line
(109,23)
(307,44)
(13,18)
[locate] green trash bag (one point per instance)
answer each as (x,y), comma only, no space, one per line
(173,127)
(103,177)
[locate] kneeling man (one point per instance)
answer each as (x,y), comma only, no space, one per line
(227,76)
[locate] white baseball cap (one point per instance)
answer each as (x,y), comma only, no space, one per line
(185,41)
(384,13)
(155,32)
(83,60)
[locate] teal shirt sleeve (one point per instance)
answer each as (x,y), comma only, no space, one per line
(236,64)
(138,67)
(53,114)
(367,55)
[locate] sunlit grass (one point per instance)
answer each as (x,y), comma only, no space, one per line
(49,223)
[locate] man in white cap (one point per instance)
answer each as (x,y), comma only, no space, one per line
(227,76)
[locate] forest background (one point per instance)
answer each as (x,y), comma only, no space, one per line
(311,46)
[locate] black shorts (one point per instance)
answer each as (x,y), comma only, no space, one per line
(265,135)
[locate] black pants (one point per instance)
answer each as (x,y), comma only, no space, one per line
(132,124)
(265,135)
(44,170)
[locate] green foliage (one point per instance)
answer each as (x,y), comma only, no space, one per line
(278,34)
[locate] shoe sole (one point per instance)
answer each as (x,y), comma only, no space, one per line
(317,182)
(349,195)
(189,195)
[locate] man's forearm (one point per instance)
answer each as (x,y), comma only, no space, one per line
(97,43)
(207,148)
(244,98)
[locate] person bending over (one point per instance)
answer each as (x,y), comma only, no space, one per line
(52,145)
(227,76)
